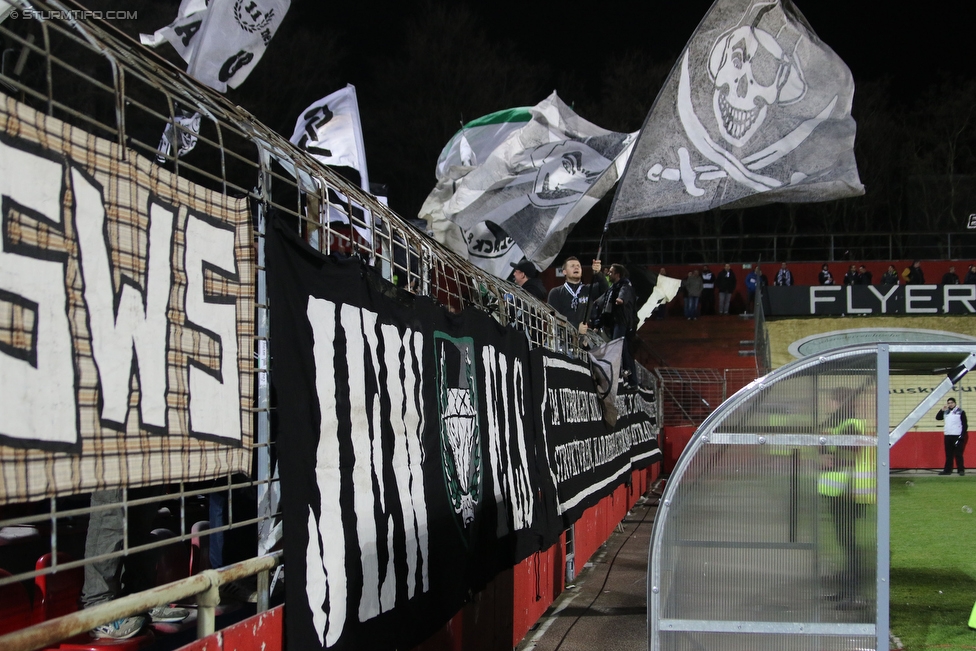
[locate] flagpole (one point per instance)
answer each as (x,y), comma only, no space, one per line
(599,252)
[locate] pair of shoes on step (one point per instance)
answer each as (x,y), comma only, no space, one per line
(127,627)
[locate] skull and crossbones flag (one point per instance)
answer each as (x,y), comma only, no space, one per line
(756,110)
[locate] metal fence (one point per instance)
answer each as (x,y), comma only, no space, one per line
(761,339)
(690,395)
(657,249)
(89,76)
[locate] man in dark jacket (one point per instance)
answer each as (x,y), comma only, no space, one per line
(618,314)
(707,302)
(527,277)
(915,274)
(863,276)
(726,285)
(571,298)
(970,278)
(950,277)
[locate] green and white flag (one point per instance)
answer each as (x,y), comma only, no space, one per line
(757,110)
(513,184)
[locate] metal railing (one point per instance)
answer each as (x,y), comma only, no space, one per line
(654,248)
(761,338)
(203,588)
(93,77)
(690,395)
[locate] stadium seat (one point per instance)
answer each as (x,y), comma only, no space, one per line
(58,593)
(15,606)
(173,560)
(199,548)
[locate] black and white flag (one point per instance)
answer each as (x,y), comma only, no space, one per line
(524,196)
(181,33)
(756,110)
(221,40)
(331,132)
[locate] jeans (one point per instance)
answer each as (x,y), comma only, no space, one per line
(106,529)
(691,307)
(218,518)
(724,298)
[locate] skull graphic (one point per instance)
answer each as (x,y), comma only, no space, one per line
(751,72)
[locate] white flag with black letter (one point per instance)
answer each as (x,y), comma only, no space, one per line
(331,132)
(522,184)
(232,39)
(756,110)
(182,32)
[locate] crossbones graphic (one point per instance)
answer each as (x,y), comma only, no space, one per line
(751,72)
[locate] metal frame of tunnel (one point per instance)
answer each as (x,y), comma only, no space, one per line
(752,539)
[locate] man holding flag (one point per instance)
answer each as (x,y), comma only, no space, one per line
(572,298)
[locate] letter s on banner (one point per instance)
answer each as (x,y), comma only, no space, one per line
(215,395)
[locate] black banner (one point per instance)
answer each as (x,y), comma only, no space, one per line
(587,458)
(826,300)
(412,462)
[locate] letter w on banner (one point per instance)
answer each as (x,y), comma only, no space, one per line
(756,110)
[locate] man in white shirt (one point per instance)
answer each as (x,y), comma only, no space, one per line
(955,435)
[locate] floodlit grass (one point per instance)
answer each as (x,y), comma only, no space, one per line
(933,561)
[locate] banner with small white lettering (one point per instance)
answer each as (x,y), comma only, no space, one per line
(588,458)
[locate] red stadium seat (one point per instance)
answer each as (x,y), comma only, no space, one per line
(58,593)
(15,606)
(199,548)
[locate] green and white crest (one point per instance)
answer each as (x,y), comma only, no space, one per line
(457,401)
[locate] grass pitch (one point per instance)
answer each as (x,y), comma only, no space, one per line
(933,561)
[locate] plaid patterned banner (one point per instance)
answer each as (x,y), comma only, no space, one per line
(126,317)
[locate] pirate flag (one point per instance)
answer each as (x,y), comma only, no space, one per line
(756,110)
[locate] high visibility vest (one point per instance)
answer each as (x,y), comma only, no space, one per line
(833,483)
(865,486)
(862,481)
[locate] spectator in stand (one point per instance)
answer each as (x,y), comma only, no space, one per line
(950,278)
(864,276)
(527,277)
(850,278)
(708,291)
(693,286)
(914,275)
(890,277)
(825,277)
(726,285)
(754,279)
(784,277)
(971,275)
(570,299)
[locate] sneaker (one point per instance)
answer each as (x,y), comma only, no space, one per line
(945,472)
(120,629)
(962,473)
(167,615)
(234,592)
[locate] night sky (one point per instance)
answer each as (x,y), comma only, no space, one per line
(570,46)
